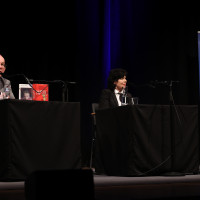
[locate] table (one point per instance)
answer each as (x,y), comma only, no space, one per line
(37,135)
(141,140)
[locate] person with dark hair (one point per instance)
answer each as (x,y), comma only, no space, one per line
(111,97)
(5,85)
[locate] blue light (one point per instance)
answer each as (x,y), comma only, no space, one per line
(106,47)
(199,58)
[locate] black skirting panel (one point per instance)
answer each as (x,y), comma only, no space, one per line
(143,140)
(38,136)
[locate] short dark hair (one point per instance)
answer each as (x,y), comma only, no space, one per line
(114,75)
(2,55)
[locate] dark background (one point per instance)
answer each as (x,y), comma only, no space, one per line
(152,40)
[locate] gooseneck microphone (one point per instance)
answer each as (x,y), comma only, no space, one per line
(164,83)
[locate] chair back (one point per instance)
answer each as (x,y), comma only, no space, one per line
(95,107)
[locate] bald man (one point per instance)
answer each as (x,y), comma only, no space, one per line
(4,83)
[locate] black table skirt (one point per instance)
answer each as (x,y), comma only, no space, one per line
(38,136)
(142,140)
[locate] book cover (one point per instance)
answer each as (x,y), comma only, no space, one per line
(25,92)
(40,92)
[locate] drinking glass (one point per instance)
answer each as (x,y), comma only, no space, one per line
(134,100)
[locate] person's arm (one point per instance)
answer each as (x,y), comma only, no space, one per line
(8,85)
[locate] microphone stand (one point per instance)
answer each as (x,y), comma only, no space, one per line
(55,81)
(172,135)
(64,86)
(64,91)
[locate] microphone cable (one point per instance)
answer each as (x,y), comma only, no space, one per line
(172,103)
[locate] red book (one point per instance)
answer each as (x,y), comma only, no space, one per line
(40,92)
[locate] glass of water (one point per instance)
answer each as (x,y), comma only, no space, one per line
(134,100)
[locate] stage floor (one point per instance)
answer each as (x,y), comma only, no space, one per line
(153,187)
(126,188)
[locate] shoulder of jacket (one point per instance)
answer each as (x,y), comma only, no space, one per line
(4,79)
(108,91)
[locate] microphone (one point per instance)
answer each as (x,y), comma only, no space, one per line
(41,81)
(156,82)
(70,82)
(150,85)
(27,80)
(14,75)
(166,83)
(124,90)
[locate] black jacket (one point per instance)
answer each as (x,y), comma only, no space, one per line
(108,99)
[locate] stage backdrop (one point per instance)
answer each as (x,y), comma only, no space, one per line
(81,41)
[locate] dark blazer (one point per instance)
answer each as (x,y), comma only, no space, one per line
(108,99)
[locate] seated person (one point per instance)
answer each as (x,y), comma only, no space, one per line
(5,85)
(117,81)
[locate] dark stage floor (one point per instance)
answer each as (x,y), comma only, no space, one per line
(126,188)
(154,187)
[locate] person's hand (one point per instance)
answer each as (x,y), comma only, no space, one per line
(1,95)
(4,96)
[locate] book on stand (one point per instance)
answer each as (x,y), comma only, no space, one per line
(40,92)
(25,92)
(36,92)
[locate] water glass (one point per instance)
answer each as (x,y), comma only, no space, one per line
(134,101)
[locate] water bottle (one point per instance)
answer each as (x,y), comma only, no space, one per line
(124,98)
(7,93)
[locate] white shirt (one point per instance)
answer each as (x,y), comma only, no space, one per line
(117,96)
